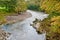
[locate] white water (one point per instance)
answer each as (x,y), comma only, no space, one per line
(23,30)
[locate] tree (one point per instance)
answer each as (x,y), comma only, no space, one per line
(50,5)
(7,6)
(21,6)
(33,4)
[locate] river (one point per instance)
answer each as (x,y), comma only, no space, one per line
(23,31)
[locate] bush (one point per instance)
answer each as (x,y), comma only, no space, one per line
(33,7)
(53,14)
(7,6)
(13,6)
(55,24)
(50,5)
(21,6)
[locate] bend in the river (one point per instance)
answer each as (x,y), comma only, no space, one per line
(23,30)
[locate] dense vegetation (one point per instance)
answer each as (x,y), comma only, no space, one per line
(33,5)
(21,6)
(51,24)
(50,5)
(9,7)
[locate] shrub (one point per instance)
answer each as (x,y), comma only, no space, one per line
(50,5)
(7,6)
(33,7)
(21,6)
(53,14)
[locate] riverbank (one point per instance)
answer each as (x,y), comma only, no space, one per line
(15,18)
(12,19)
(4,35)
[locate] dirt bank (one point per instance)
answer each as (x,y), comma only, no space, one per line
(20,17)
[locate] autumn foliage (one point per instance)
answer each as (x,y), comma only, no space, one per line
(51,24)
(50,5)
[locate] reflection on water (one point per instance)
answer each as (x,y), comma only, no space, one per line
(23,30)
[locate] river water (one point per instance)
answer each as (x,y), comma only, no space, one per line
(23,31)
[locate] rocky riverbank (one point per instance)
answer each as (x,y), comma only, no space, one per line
(23,30)
(4,35)
(12,19)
